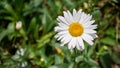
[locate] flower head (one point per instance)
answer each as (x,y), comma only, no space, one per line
(18,25)
(75,27)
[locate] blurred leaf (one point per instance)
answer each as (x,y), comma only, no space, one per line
(63,65)
(2,66)
(8,31)
(8,9)
(104,61)
(116,1)
(119,34)
(96,14)
(111,32)
(47,22)
(108,41)
(115,56)
(32,25)
(37,2)
(92,62)
(79,58)
(3,34)
(45,39)
(58,59)
(91,50)
(18,4)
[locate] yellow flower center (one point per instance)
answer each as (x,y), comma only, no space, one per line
(75,29)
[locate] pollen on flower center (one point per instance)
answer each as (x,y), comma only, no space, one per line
(75,29)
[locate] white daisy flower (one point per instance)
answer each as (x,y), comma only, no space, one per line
(74,28)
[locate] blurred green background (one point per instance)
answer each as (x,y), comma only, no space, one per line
(33,45)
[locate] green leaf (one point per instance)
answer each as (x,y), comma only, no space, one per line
(96,14)
(104,61)
(58,59)
(8,31)
(111,32)
(32,25)
(8,8)
(92,62)
(63,65)
(108,41)
(115,56)
(44,39)
(37,2)
(47,22)
(3,34)
(79,58)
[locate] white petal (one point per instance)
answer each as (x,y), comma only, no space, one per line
(74,40)
(80,44)
(87,18)
(61,33)
(94,36)
(88,36)
(62,44)
(70,46)
(66,15)
(87,40)
(74,13)
(83,16)
(62,19)
(56,36)
(60,37)
(90,31)
(78,15)
(72,43)
(58,29)
(62,25)
(66,39)
(91,27)
(89,23)
(63,38)
(70,16)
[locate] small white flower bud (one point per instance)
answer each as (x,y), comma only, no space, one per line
(18,25)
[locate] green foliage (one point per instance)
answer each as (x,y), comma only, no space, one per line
(34,45)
